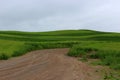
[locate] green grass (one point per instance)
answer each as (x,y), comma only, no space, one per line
(8,46)
(94,44)
(65,35)
(108,53)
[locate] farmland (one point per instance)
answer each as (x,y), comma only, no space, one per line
(86,44)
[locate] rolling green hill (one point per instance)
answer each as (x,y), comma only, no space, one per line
(14,38)
(105,44)
(65,35)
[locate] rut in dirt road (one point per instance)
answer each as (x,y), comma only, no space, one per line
(51,64)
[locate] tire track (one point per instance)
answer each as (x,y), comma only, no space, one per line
(23,67)
(51,64)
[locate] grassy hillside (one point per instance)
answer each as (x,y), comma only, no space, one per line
(14,39)
(102,45)
(65,35)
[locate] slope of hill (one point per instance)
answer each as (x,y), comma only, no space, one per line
(64,35)
(86,44)
(13,40)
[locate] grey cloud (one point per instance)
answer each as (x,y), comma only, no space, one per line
(44,15)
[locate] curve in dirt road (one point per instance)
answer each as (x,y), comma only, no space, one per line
(49,64)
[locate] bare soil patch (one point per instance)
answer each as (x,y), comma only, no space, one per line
(49,64)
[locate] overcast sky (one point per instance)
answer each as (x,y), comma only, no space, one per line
(45,15)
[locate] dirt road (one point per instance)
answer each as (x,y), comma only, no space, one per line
(51,64)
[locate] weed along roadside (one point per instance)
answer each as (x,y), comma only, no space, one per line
(104,51)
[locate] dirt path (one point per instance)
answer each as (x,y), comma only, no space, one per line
(51,64)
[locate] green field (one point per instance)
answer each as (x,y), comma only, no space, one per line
(82,43)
